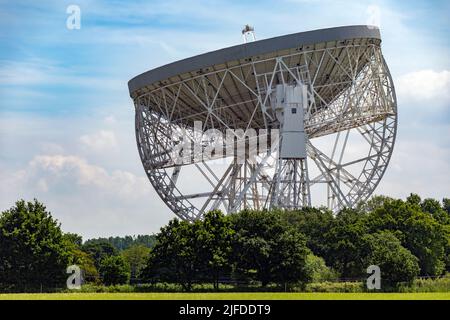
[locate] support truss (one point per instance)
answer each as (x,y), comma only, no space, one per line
(351,111)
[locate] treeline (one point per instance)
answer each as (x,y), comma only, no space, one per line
(123,243)
(406,239)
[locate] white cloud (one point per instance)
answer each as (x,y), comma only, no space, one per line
(425,85)
(418,167)
(52,170)
(100,141)
(88,199)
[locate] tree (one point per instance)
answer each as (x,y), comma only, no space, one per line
(81,258)
(33,252)
(373,203)
(345,239)
(314,224)
(418,232)
(86,264)
(319,270)
(266,247)
(215,237)
(414,199)
(288,257)
(136,256)
(99,251)
(114,270)
(73,238)
(434,208)
(123,243)
(397,264)
(175,257)
(446,205)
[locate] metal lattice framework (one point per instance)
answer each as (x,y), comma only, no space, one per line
(350,122)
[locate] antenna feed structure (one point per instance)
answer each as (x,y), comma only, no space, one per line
(248,33)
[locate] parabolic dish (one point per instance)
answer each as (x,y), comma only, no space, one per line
(350,120)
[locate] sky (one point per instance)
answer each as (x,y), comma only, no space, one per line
(67,121)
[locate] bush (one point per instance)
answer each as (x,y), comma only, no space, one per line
(427,285)
(319,270)
(335,287)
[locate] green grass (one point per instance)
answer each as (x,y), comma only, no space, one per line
(228,296)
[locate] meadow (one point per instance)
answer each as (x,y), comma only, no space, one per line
(228,296)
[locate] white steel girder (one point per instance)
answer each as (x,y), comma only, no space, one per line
(359,103)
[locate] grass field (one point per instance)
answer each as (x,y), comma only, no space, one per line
(228,296)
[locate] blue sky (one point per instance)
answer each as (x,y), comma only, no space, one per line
(67,122)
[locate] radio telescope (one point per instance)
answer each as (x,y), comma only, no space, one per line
(329,94)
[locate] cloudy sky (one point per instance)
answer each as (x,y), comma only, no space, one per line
(67,122)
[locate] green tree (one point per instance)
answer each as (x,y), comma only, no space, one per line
(99,251)
(397,264)
(418,232)
(81,258)
(446,205)
(175,257)
(136,256)
(314,224)
(434,208)
(33,252)
(215,238)
(114,270)
(86,264)
(319,270)
(73,238)
(414,199)
(373,203)
(266,247)
(345,240)
(123,243)
(288,257)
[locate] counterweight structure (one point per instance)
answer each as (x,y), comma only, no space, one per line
(328,93)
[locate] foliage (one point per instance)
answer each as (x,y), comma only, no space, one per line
(327,286)
(433,207)
(99,251)
(318,268)
(345,241)
(441,284)
(114,270)
(446,205)
(314,224)
(80,258)
(123,243)
(136,256)
(418,232)
(33,252)
(73,239)
(215,236)
(396,263)
(250,250)
(269,248)
(174,257)
(86,264)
